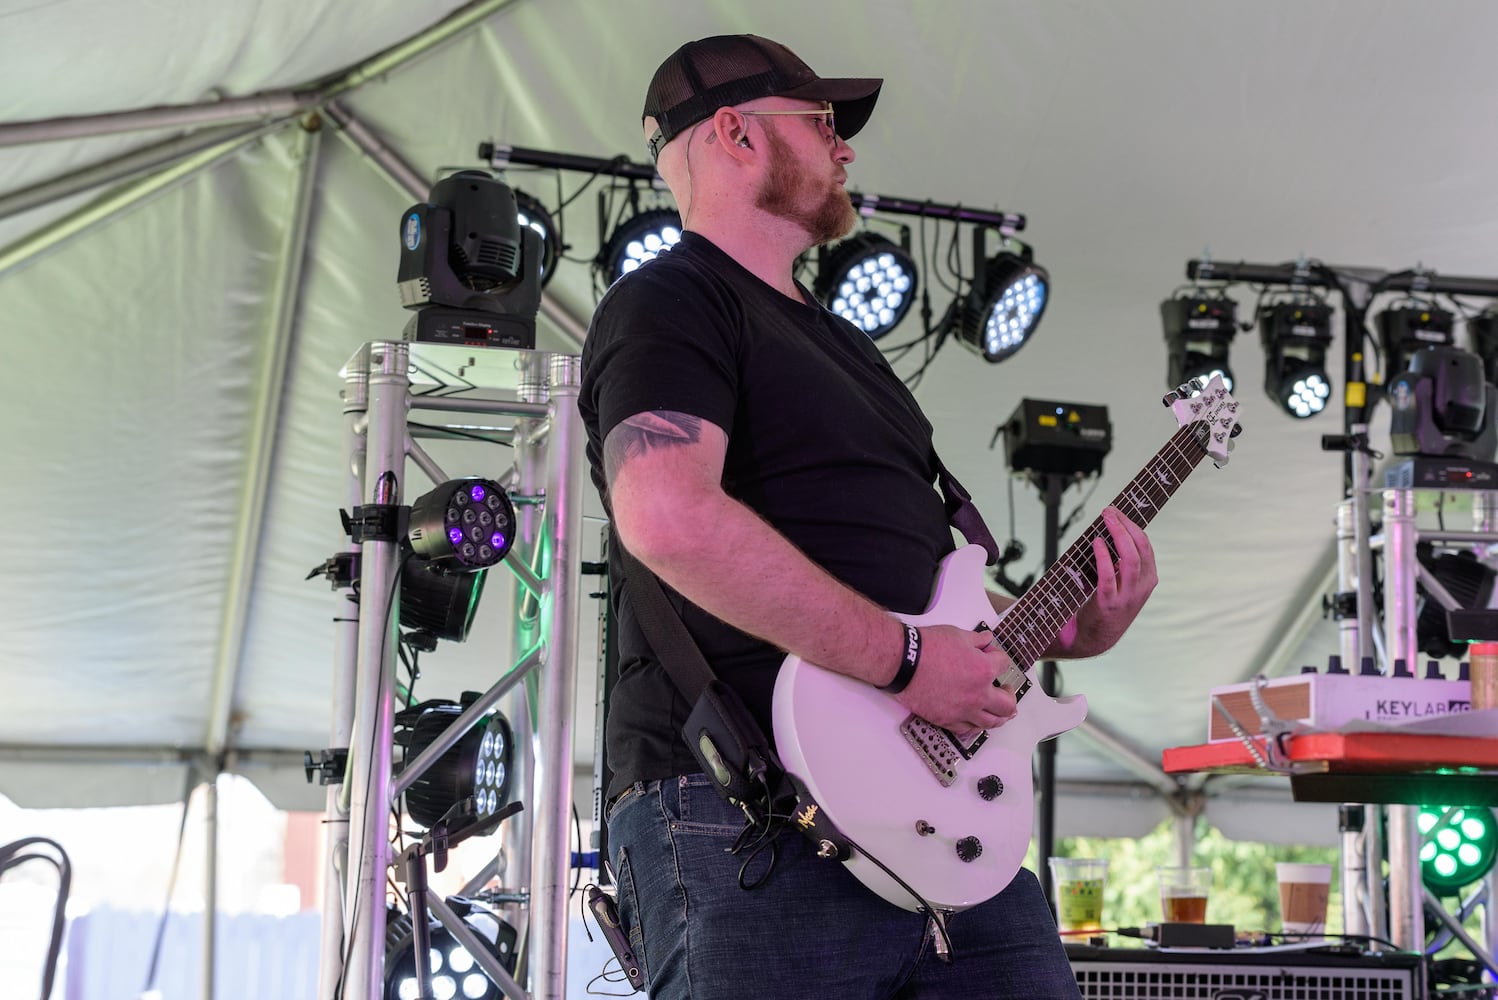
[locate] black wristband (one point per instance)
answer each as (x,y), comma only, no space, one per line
(909,660)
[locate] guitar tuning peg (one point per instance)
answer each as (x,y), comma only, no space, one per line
(1170,398)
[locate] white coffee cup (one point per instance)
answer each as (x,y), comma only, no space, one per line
(1304,891)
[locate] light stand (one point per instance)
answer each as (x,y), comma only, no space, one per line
(1055,445)
(1357,287)
(452,829)
(382,383)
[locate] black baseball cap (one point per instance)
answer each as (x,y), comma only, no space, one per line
(710,73)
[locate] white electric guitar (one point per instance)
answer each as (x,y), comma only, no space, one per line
(951,817)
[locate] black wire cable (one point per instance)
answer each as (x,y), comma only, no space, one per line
(13,855)
(577,870)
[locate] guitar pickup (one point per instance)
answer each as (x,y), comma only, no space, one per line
(1014,679)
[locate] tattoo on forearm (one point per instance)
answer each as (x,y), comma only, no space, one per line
(643,431)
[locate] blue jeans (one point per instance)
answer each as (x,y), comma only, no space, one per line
(811,930)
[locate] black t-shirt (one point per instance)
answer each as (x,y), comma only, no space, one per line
(824,442)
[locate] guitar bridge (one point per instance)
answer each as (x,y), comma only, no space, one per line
(941,748)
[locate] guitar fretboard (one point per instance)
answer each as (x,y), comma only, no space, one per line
(1035,620)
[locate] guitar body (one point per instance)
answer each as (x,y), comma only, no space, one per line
(845,740)
(952,817)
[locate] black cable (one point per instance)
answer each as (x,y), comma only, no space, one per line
(11,856)
(577,871)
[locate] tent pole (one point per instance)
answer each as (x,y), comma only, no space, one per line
(1102,738)
(114,202)
(123,168)
(271,104)
(406,178)
(210,880)
(398,55)
(409,181)
(285,296)
(280,104)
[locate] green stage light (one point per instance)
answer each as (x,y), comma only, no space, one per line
(1458,846)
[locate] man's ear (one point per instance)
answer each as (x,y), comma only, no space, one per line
(731,128)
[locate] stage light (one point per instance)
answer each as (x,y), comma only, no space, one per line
(530,213)
(1483,329)
(639,240)
(868,280)
(462,526)
(439,604)
(1441,406)
(1465,579)
(1404,330)
(477,766)
(1296,336)
(1199,329)
(455,974)
(1001,311)
(1459,846)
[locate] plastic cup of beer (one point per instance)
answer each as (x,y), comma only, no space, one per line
(1304,890)
(1079,892)
(1183,893)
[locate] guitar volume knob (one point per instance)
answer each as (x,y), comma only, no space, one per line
(990,787)
(968,848)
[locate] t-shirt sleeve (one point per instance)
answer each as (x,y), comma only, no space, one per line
(662,341)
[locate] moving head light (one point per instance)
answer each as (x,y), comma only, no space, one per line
(468,269)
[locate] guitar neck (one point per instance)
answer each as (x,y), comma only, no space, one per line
(1035,620)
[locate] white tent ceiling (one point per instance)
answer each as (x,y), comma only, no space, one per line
(174,467)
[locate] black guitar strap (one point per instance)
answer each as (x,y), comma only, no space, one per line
(720,732)
(963,514)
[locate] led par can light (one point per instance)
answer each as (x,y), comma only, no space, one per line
(462,526)
(477,766)
(1002,310)
(531,214)
(868,281)
(640,239)
(455,973)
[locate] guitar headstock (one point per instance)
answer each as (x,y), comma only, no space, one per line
(1214,412)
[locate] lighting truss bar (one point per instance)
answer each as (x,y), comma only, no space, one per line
(499,157)
(456,404)
(1357,286)
(455,730)
(476,946)
(1324,276)
(1007,222)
